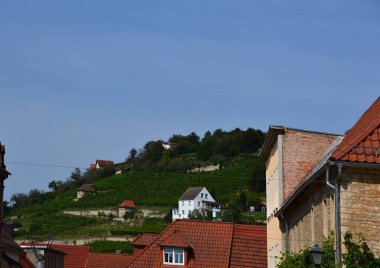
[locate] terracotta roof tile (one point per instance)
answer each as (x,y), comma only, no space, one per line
(144,239)
(127,204)
(212,245)
(176,239)
(361,143)
(249,246)
(107,260)
(75,255)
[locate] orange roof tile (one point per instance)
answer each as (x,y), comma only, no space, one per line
(362,141)
(127,204)
(249,246)
(107,260)
(176,239)
(75,255)
(144,239)
(212,245)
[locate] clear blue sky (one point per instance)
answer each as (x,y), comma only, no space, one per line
(86,80)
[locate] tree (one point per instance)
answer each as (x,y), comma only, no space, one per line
(53,185)
(75,175)
(132,154)
(201,214)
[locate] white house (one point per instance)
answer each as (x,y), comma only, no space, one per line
(195,198)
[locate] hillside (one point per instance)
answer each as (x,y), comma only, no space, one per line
(149,190)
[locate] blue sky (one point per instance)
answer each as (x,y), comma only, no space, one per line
(86,80)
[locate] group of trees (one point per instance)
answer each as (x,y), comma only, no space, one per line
(191,151)
(76,179)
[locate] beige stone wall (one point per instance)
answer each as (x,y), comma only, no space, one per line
(301,151)
(311,217)
(360,204)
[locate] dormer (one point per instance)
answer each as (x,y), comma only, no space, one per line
(176,250)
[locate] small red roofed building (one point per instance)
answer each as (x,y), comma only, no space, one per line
(188,243)
(125,207)
(87,188)
(101,164)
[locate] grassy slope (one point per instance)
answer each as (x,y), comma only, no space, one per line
(146,189)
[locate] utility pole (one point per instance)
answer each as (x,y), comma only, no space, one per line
(3,175)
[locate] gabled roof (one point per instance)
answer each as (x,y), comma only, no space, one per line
(176,239)
(362,141)
(87,188)
(107,260)
(191,193)
(127,204)
(103,163)
(213,244)
(75,255)
(144,239)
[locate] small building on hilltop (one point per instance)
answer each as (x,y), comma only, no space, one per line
(87,188)
(195,198)
(125,207)
(101,164)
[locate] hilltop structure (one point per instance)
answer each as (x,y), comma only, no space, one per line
(87,188)
(195,198)
(101,164)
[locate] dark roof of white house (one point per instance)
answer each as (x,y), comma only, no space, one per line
(191,193)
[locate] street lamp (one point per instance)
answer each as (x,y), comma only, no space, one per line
(317,254)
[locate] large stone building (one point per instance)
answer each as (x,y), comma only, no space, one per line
(289,154)
(331,185)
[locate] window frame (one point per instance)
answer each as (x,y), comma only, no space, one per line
(171,251)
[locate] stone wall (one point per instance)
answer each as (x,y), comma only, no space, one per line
(360,204)
(312,215)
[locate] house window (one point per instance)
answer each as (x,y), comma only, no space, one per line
(174,256)
(189,203)
(206,195)
(183,203)
(183,212)
(199,203)
(201,195)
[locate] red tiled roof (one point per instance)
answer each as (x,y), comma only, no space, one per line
(127,204)
(362,141)
(213,244)
(144,239)
(175,240)
(249,246)
(93,166)
(103,163)
(107,260)
(76,255)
